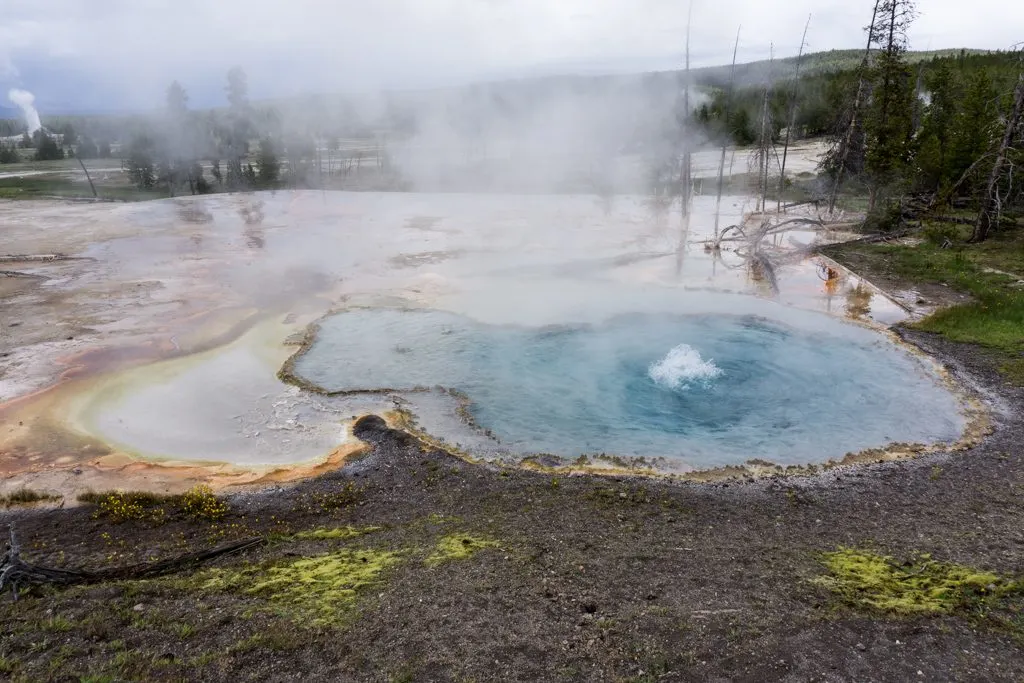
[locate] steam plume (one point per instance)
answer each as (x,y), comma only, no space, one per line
(26,100)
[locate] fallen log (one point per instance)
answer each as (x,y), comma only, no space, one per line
(15,572)
(8,258)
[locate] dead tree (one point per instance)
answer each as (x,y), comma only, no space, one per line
(686,167)
(858,102)
(764,142)
(791,121)
(686,170)
(991,204)
(725,142)
(87,177)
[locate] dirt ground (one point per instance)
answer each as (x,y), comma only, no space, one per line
(579,578)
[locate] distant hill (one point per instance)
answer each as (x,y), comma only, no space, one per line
(749,73)
(654,86)
(812,63)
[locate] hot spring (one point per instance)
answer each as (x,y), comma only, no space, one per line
(699,390)
(506,325)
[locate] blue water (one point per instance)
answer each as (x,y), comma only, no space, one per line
(709,390)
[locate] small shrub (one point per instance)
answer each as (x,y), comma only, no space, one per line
(942,234)
(196,504)
(200,503)
(346,497)
(886,217)
(121,507)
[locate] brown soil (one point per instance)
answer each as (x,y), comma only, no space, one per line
(592,578)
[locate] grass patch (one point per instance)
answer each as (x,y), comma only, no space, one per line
(196,504)
(1014,370)
(867,581)
(44,186)
(995,318)
(316,590)
(458,547)
(26,496)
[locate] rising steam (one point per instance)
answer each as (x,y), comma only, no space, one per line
(26,101)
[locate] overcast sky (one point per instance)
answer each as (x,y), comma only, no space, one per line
(125,52)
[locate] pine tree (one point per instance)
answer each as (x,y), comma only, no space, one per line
(972,133)
(935,141)
(180,142)
(47,149)
(216,172)
(87,149)
(70,137)
(196,176)
(888,124)
(140,162)
(235,136)
(269,164)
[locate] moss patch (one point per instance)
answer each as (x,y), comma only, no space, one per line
(337,533)
(458,547)
(865,580)
(316,590)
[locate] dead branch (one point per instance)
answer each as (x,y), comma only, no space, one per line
(15,572)
(14,258)
(991,205)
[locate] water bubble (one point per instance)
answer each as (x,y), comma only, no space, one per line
(681,367)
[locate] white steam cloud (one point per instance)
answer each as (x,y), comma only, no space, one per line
(26,101)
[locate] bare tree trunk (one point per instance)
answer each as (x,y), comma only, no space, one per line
(725,144)
(764,142)
(320,169)
(989,212)
(686,174)
(686,170)
(792,114)
(844,150)
(91,186)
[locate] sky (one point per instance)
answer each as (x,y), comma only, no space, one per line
(122,54)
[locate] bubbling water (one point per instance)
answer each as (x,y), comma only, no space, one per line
(682,366)
(773,391)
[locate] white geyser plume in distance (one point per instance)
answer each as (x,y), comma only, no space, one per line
(26,101)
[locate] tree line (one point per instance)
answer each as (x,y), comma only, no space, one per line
(943,133)
(45,145)
(242,147)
